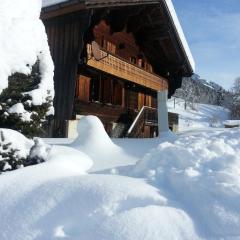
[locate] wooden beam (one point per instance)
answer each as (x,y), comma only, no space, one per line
(152,34)
(62,10)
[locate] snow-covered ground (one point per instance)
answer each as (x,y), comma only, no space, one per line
(184,186)
(198,116)
(174,187)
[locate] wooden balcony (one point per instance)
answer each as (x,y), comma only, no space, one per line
(121,68)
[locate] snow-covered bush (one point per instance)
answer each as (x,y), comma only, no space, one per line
(17,109)
(14,155)
(26,68)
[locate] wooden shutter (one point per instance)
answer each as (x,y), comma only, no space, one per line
(83,88)
(148,100)
(141,102)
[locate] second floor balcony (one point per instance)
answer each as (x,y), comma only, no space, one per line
(119,67)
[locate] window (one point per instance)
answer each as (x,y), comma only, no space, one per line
(133,60)
(95,90)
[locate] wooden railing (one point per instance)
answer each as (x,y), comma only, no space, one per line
(146,116)
(121,68)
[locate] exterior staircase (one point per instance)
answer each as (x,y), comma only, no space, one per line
(146,117)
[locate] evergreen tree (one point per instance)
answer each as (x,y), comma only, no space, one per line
(18,87)
(10,159)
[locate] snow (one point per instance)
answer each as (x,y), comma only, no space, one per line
(85,207)
(18,142)
(18,108)
(180,32)
(232,122)
(202,173)
(201,116)
(47,3)
(184,186)
(20,27)
(93,139)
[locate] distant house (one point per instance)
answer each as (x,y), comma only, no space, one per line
(111,58)
(231,123)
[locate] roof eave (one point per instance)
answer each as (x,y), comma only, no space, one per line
(180,35)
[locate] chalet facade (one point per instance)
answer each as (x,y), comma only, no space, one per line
(111,58)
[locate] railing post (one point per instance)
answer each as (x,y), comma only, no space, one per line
(162,112)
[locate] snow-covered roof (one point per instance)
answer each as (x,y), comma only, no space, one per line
(172,13)
(180,32)
(47,3)
(232,122)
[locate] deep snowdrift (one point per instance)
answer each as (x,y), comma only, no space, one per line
(202,174)
(60,157)
(41,206)
(23,41)
(191,189)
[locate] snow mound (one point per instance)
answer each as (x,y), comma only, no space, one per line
(202,174)
(86,207)
(69,159)
(18,141)
(91,134)
(20,27)
(56,157)
(93,140)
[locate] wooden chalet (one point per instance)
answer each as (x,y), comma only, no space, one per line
(111,58)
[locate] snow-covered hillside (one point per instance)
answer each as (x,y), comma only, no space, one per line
(200,116)
(173,187)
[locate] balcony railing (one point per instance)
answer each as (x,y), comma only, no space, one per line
(121,68)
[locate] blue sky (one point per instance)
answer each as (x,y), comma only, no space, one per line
(212,29)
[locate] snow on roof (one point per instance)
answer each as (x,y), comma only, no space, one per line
(47,3)
(232,122)
(23,41)
(180,33)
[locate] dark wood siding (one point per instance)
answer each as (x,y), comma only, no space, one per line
(65,36)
